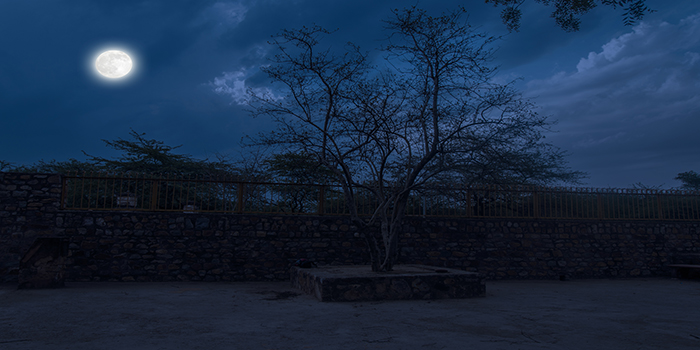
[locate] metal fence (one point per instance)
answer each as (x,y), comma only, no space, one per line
(197,194)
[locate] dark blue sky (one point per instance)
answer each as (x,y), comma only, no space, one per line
(627,99)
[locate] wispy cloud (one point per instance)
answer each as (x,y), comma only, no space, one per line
(233,84)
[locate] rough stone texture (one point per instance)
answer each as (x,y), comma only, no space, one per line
(359,283)
(28,207)
(44,265)
(169,246)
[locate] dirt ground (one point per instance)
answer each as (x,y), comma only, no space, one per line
(580,314)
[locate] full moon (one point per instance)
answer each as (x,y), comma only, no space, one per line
(113,64)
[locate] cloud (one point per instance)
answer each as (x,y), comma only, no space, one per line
(654,63)
(638,95)
(233,84)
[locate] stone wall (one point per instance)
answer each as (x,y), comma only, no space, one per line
(28,207)
(166,246)
(546,249)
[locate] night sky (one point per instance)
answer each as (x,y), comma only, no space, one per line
(627,99)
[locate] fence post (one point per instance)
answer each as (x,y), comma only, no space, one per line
(536,204)
(600,205)
(321,199)
(469,203)
(239,205)
(64,184)
(658,204)
(154,194)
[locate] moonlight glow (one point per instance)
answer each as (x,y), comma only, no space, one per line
(113,64)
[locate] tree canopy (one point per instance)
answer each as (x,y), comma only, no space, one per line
(690,179)
(567,13)
(138,156)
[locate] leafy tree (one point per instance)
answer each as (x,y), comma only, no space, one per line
(433,115)
(151,157)
(140,157)
(567,13)
(690,179)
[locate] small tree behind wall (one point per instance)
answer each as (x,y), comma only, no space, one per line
(430,114)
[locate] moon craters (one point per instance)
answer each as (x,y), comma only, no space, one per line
(113,64)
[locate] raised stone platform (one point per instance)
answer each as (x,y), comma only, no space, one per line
(359,283)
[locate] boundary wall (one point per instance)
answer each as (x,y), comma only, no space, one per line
(170,246)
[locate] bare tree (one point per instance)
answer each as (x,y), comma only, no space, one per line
(432,112)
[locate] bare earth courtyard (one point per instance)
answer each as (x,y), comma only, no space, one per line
(641,313)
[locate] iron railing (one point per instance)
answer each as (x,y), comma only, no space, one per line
(197,194)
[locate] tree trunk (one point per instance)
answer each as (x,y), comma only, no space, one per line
(380,258)
(374,252)
(390,238)
(395,227)
(372,245)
